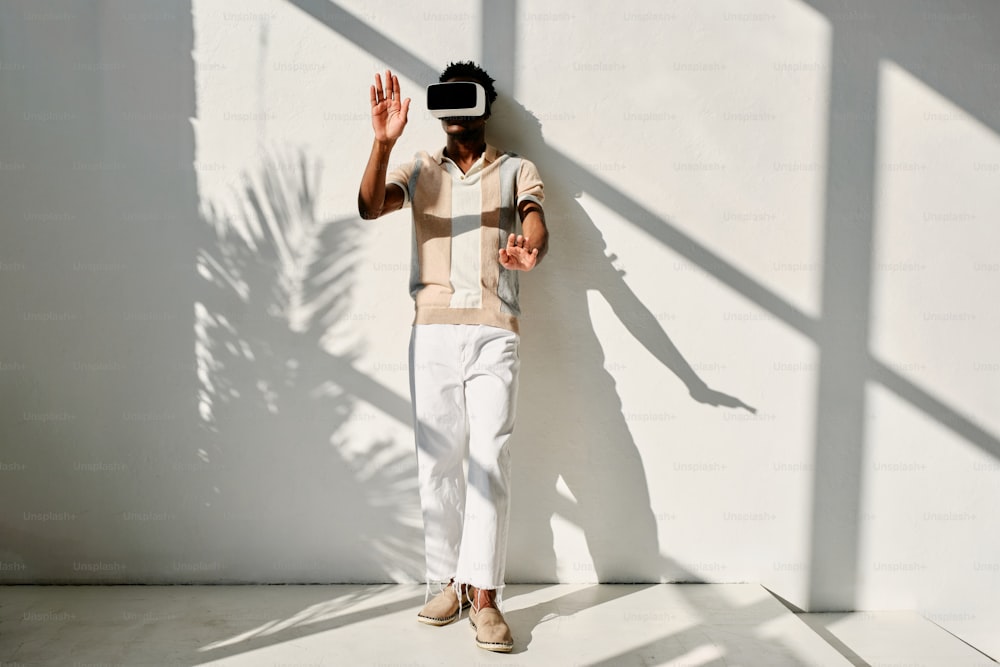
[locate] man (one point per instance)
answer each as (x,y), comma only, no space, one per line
(468,201)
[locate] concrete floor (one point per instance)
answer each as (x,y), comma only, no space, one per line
(703,625)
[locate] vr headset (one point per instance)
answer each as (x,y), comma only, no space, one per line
(456,98)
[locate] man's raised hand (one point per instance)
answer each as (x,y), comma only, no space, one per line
(516,255)
(388,110)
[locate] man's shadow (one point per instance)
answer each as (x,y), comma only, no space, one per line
(571,423)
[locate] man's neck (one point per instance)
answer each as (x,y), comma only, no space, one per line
(464,151)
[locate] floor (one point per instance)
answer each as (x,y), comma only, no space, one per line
(689,625)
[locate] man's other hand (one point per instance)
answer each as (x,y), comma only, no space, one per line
(516,256)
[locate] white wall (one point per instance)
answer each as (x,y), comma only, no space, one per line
(204,372)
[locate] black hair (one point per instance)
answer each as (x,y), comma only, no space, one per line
(473,71)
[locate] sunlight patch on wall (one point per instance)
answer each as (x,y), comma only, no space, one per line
(936,277)
(925,500)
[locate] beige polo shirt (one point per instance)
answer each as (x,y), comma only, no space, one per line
(460,222)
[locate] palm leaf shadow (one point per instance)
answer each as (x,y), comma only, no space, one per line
(276,387)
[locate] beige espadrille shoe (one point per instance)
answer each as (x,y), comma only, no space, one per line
(492,631)
(443,608)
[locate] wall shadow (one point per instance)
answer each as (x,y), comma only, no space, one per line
(571,423)
(275,358)
(184,369)
(102,216)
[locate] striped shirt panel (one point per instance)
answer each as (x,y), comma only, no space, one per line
(460,222)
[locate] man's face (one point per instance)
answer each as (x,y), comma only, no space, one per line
(459,126)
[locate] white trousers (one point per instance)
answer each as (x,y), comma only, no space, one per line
(463,384)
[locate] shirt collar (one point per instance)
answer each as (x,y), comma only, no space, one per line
(489,155)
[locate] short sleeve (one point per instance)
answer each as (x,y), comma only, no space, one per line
(401,176)
(529,183)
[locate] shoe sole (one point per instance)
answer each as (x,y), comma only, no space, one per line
(496,647)
(437,621)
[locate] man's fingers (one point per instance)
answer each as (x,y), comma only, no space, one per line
(516,241)
(371,94)
(516,258)
(406,108)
